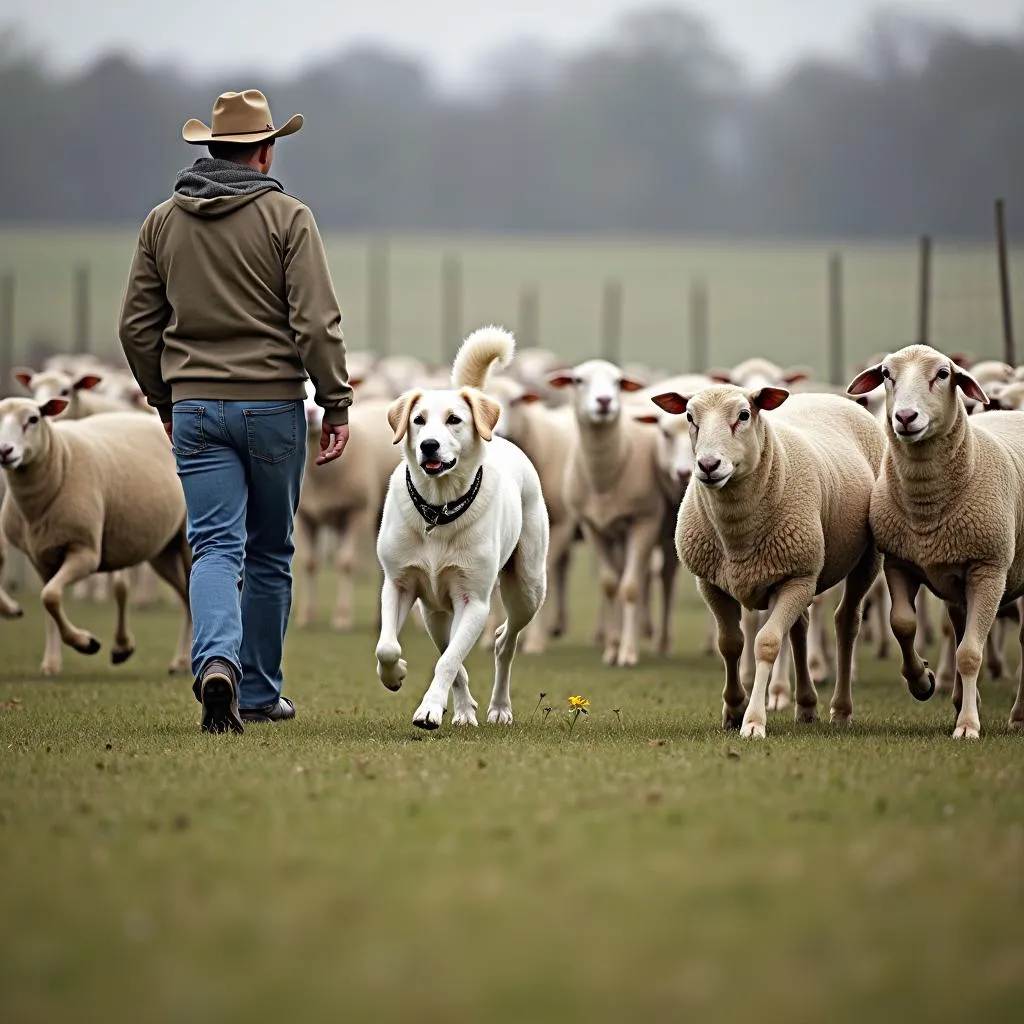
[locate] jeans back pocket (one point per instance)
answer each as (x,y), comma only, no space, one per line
(272,432)
(188,436)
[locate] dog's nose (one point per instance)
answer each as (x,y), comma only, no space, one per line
(906,416)
(708,466)
(429,446)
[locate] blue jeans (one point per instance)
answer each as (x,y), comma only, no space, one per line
(241,465)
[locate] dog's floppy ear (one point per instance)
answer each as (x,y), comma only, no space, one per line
(399,413)
(486,412)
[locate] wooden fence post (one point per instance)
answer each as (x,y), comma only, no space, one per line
(836,354)
(699,347)
(611,321)
(924,290)
(1009,342)
(6,332)
(451,306)
(378,297)
(528,320)
(81,324)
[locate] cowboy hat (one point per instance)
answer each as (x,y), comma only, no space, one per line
(239,117)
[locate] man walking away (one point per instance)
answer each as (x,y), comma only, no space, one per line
(229,305)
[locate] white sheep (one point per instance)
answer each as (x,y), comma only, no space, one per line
(92,496)
(346,496)
(548,438)
(778,514)
(612,490)
(948,513)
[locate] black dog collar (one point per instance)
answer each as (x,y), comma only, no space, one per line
(442,515)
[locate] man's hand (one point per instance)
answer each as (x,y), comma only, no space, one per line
(332,443)
(167,431)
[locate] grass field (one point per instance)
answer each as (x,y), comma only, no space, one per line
(763,298)
(347,866)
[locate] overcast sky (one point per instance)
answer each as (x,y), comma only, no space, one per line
(451,34)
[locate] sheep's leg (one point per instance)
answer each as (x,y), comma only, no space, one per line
(726,612)
(710,637)
(439,626)
(925,625)
(903,620)
(78,564)
(640,543)
(395,604)
(848,617)
(469,619)
(791,599)
(144,583)
(958,626)
(345,558)
(610,574)
(124,645)
(878,617)
(1017,711)
(995,644)
(669,572)
(9,608)
(985,588)
(817,646)
(945,673)
(53,653)
(522,593)
(750,623)
(645,607)
(806,695)
(494,619)
(536,635)
(174,566)
(780,688)
(309,536)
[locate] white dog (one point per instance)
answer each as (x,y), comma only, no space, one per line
(463,512)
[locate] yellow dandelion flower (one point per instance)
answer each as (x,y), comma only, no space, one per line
(578,703)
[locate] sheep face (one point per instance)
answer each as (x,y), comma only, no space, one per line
(440,428)
(22,431)
(674,450)
(761,373)
(725,428)
(1008,397)
(49,384)
(921,392)
(597,389)
(513,398)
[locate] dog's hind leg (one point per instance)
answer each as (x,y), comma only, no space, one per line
(439,626)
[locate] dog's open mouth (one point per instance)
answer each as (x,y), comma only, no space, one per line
(434,467)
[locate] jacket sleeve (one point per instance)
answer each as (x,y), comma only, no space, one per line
(315,317)
(145,313)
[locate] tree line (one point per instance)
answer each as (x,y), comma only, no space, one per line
(656,130)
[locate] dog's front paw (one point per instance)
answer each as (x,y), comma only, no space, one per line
(500,714)
(429,714)
(392,674)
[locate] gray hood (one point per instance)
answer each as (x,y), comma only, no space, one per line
(215,188)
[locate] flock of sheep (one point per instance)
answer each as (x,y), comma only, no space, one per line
(780,494)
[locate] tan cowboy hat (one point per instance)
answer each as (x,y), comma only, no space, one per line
(239,117)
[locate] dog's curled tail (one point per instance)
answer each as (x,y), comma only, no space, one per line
(478,352)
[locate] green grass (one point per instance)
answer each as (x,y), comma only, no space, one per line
(346,866)
(765,298)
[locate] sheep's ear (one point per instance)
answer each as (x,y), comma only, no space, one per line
(54,407)
(969,386)
(561,379)
(630,384)
(720,376)
(22,376)
(865,381)
(399,413)
(87,382)
(794,376)
(529,397)
(486,411)
(766,399)
(671,402)
(646,418)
